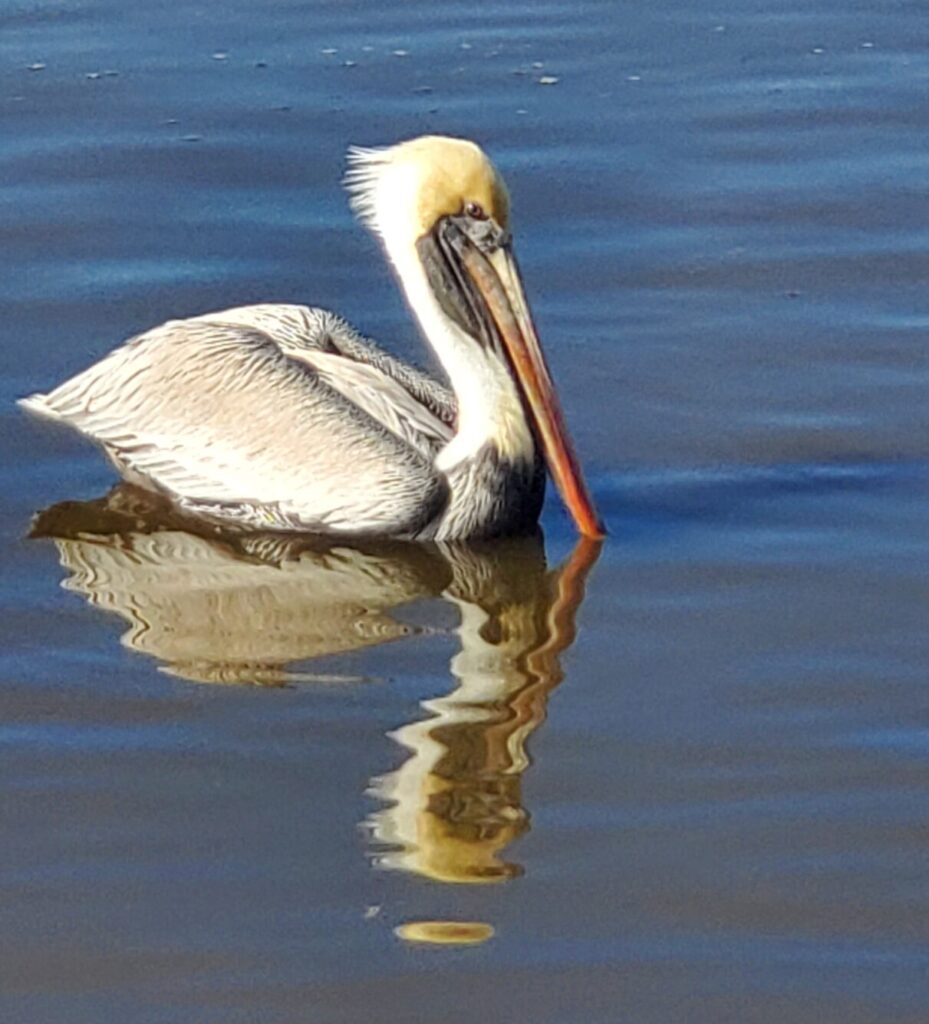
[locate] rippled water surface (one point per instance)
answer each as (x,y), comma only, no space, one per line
(684,778)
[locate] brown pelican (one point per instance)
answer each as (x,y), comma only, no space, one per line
(283,417)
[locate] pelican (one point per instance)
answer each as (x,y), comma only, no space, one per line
(284,417)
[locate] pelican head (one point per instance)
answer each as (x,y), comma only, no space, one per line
(442,211)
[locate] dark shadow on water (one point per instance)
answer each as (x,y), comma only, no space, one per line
(259,608)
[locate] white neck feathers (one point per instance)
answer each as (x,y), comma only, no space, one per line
(385,194)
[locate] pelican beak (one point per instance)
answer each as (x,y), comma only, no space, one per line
(496,277)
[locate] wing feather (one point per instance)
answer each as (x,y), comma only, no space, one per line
(302,331)
(223,414)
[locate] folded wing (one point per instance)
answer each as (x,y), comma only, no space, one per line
(274,416)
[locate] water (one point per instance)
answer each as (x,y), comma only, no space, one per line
(709,805)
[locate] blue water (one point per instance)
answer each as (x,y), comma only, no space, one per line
(712,803)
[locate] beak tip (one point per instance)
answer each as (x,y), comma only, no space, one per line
(593,529)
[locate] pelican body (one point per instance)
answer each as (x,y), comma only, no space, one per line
(284,417)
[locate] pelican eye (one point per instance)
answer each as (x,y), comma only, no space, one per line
(475,211)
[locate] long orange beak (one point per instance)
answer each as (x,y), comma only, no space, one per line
(497,277)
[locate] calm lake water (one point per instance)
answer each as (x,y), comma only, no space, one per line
(685,778)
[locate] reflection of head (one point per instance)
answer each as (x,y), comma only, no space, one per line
(455,804)
(448,829)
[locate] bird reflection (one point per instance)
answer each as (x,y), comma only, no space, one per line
(226,608)
(455,804)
